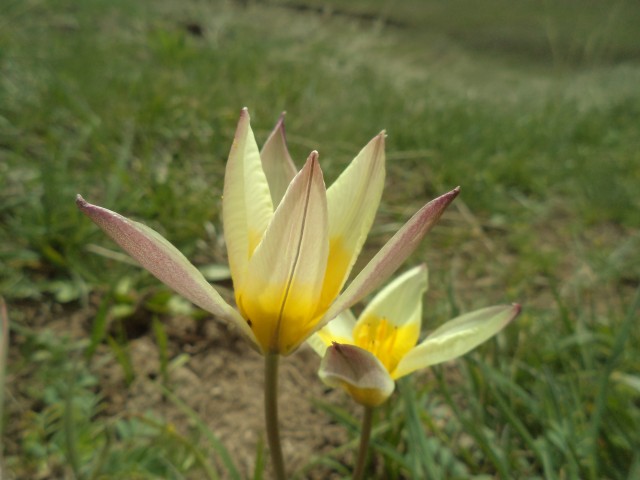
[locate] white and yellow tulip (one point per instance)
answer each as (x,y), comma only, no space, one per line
(366,356)
(291,243)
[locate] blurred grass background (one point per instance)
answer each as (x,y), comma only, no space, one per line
(532,107)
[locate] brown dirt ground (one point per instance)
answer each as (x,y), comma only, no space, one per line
(222,381)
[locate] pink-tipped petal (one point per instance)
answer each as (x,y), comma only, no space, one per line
(277,163)
(457,337)
(162,259)
(282,293)
(393,253)
(246,202)
(357,371)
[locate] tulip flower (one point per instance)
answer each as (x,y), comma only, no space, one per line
(291,242)
(288,262)
(366,356)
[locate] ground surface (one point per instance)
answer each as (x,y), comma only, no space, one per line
(222,381)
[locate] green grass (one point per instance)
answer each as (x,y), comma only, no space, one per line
(532,110)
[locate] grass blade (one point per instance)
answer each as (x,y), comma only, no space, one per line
(163,349)
(123,358)
(260,462)
(420,454)
(4,347)
(603,383)
(98,328)
(214,441)
(472,428)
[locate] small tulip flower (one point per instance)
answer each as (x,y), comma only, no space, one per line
(366,356)
(291,242)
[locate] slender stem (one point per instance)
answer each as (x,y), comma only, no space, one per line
(271,413)
(365,435)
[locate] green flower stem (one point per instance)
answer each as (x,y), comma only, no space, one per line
(365,435)
(271,413)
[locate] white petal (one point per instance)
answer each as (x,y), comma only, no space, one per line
(392,254)
(400,302)
(353,200)
(163,260)
(246,202)
(277,163)
(457,337)
(282,292)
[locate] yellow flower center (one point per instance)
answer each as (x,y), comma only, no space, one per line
(388,342)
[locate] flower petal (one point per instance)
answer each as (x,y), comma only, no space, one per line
(282,293)
(163,260)
(246,202)
(457,337)
(352,200)
(392,254)
(339,330)
(277,163)
(357,371)
(389,327)
(400,302)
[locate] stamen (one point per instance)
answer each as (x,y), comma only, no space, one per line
(379,336)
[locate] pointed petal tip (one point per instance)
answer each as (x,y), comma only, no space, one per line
(279,127)
(517,309)
(243,126)
(445,199)
(244,115)
(453,193)
(83,205)
(91,210)
(512,312)
(379,138)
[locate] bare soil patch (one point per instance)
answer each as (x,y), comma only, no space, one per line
(222,381)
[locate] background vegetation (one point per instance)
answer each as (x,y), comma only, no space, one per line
(532,107)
